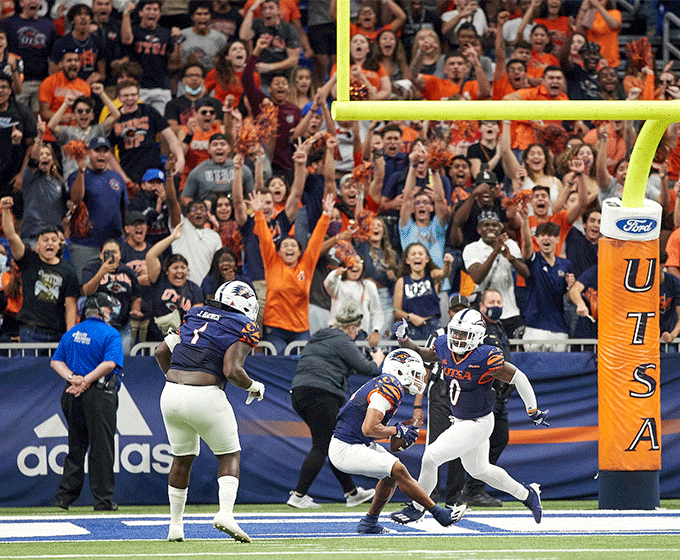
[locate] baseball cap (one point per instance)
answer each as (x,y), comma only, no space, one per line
(458,299)
(152,174)
(348,313)
(485,215)
(486,176)
(134,217)
(99,142)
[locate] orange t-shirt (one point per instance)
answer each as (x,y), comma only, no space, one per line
(560,219)
(607,38)
(287,305)
(616,146)
(538,62)
(673,249)
(289,10)
(501,88)
(54,89)
(557,28)
(522,131)
(437,89)
(674,162)
(198,149)
(213,84)
(13,303)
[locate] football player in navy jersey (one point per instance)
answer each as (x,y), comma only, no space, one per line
(363,419)
(470,368)
(209,350)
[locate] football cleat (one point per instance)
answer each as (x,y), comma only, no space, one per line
(176,533)
(227,524)
(407,515)
(533,501)
(370,527)
(446,516)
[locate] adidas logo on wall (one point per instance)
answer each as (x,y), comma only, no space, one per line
(133,458)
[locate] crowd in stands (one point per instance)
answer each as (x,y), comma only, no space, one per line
(125,168)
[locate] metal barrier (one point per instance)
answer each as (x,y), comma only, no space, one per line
(15,349)
(669,18)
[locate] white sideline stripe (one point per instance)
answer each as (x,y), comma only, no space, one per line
(354,552)
(143,523)
(60,529)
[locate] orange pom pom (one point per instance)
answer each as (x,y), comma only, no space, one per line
(247,137)
(554,137)
(438,158)
(364,225)
(640,54)
(363,172)
(521,199)
(345,253)
(267,121)
(358,91)
(459,194)
(76,149)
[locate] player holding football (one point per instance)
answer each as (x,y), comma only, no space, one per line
(209,350)
(363,419)
(470,367)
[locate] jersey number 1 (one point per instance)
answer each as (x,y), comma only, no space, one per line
(194,340)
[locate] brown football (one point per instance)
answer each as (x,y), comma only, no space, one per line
(398,444)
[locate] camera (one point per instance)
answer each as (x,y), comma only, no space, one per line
(108,256)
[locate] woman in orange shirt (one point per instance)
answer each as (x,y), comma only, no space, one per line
(366,70)
(288,273)
(555,21)
(540,52)
(225,79)
(604,29)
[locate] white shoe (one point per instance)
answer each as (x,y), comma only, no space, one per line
(227,524)
(304,502)
(176,533)
(360,497)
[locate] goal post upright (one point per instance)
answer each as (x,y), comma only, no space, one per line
(628,345)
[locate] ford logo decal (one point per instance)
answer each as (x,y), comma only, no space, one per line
(636,226)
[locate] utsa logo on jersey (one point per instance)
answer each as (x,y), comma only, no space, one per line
(472,395)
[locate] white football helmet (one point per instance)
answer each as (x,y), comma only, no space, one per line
(465,331)
(238,296)
(407,366)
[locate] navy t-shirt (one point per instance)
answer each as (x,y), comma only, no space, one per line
(669,299)
(105,196)
(121,285)
(546,287)
(32,40)
(151,49)
(135,136)
(91,51)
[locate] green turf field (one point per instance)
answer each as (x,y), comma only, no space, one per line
(539,547)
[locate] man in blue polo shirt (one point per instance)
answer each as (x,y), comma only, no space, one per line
(550,278)
(103,192)
(89,357)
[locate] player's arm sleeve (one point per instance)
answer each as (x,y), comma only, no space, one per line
(525,390)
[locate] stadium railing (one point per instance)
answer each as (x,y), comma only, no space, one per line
(28,349)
